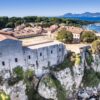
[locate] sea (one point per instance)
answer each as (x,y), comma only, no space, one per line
(94,27)
(93,19)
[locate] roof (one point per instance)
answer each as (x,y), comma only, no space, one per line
(28,32)
(6,33)
(74,30)
(7,29)
(44,45)
(4,37)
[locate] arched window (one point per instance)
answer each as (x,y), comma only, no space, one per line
(29,57)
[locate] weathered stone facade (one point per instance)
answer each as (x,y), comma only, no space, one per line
(13,54)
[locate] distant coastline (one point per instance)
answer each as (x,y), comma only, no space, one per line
(93,19)
(87,16)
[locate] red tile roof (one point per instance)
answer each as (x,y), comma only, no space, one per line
(6,33)
(74,30)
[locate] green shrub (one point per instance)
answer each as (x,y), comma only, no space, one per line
(18,72)
(4,96)
(88,36)
(61,92)
(65,36)
(31,93)
(13,80)
(89,59)
(28,75)
(18,75)
(98,74)
(48,81)
(90,78)
(78,60)
(96,46)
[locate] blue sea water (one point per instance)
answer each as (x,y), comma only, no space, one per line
(97,19)
(94,27)
(94,19)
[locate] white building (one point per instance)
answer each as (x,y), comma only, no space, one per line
(13,54)
(47,54)
(76,32)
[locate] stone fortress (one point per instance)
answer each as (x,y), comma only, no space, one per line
(40,56)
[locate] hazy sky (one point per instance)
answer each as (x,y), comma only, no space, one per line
(47,7)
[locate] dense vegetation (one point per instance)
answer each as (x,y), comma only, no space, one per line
(89,57)
(28,77)
(96,47)
(88,36)
(91,78)
(65,36)
(46,21)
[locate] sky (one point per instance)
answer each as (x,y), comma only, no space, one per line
(46,7)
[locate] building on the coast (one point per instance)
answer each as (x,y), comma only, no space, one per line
(76,32)
(13,54)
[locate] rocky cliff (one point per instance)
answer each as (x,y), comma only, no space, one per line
(77,77)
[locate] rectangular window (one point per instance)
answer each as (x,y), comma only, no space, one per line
(3,63)
(51,51)
(36,63)
(29,57)
(16,60)
(59,49)
(40,54)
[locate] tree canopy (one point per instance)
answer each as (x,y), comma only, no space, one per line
(46,21)
(96,46)
(88,36)
(65,36)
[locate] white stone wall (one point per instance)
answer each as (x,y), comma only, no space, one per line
(38,58)
(9,51)
(44,56)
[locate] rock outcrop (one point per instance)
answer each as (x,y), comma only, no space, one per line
(63,84)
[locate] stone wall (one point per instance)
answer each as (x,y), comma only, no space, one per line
(12,54)
(44,57)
